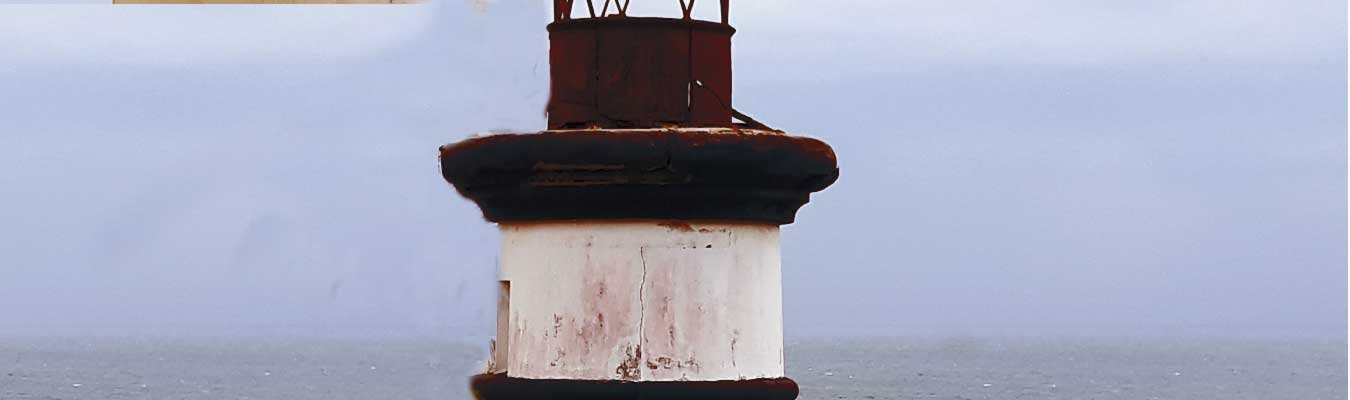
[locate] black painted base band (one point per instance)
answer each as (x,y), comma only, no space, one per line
(502,387)
(640,174)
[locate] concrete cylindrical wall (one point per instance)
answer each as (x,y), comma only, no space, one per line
(640,301)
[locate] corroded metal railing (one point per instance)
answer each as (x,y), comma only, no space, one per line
(562,9)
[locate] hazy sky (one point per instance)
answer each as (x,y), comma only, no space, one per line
(1098,168)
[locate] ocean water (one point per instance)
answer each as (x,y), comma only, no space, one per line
(849,369)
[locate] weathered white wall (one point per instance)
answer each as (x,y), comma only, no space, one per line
(642,300)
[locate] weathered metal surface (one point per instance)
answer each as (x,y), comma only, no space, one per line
(709,78)
(562,9)
(734,175)
(502,387)
(643,300)
(639,73)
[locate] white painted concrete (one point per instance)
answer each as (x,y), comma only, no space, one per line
(641,301)
(500,345)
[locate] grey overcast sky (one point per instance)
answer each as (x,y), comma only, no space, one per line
(1096,168)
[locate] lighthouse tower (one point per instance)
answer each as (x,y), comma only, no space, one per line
(640,231)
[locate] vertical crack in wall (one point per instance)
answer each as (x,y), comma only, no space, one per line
(630,369)
(641,299)
(641,304)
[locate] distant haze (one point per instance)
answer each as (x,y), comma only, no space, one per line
(1042,168)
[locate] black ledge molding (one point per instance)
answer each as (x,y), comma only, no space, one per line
(500,387)
(686,174)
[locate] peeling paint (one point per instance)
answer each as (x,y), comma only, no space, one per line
(628,370)
(677,226)
(612,300)
(671,364)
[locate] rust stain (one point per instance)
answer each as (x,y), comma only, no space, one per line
(518,337)
(605,315)
(558,356)
(660,362)
(630,368)
(677,226)
(546,166)
(592,329)
(639,72)
(571,178)
(735,335)
(668,363)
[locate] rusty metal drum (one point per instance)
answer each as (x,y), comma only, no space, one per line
(639,72)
